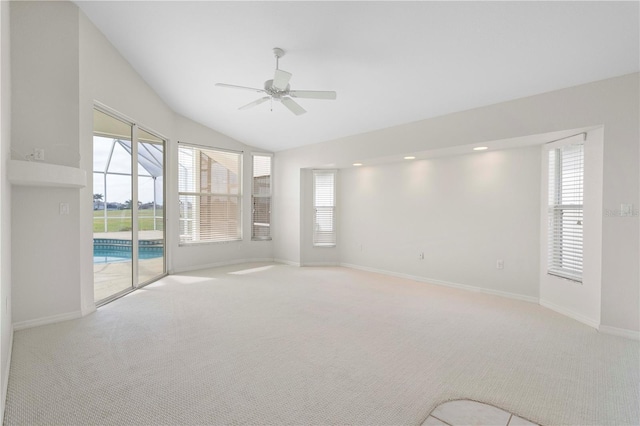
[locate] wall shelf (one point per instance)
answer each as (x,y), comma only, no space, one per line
(32,173)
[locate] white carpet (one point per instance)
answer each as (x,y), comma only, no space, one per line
(286,345)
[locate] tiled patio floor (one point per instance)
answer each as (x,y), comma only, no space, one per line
(465,412)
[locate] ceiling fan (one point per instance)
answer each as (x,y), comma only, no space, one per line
(279,90)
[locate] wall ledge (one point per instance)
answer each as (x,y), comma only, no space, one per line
(32,173)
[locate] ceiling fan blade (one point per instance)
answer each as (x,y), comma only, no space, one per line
(293,106)
(255,103)
(233,86)
(312,94)
(281,80)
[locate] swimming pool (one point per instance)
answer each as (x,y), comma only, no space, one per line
(107,250)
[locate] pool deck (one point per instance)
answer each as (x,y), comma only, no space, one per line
(111,278)
(143,235)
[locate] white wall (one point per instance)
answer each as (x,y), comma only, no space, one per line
(64,66)
(109,79)
(5,202)
(611,103)
(44,78)
(463,212)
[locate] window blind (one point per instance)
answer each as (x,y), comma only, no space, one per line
(566,178)
(209,192)
(261,198)
(324,200)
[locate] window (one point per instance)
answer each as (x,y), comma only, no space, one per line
(566,176)
(324,203)
(209,190)
(261,198)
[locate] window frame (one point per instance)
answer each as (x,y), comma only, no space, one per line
(254,195)
(557,211)
(239,196)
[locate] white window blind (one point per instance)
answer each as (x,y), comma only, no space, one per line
(566,177)
(261,198)
(324,203)
(209,190)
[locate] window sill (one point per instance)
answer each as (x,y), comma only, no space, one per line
(207,243)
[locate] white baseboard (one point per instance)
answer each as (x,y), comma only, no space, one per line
(5,379)
(569,313)
(219,264)
(320,264)
(21,325)
(445,283)
(287,262)
(88,310)
(620,332)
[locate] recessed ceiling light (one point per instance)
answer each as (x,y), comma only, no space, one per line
(357,164)
(410,157)
(480,148)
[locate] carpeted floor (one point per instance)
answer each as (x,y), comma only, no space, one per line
(274,344)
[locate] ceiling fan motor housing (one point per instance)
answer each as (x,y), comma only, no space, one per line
(272,91)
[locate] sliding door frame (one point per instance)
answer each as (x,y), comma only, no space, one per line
(135,127)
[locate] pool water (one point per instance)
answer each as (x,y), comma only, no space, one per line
(111,256)
(110,251)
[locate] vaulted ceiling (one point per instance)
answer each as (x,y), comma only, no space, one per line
(390,62)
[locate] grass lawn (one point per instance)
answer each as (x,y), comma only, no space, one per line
(120,220)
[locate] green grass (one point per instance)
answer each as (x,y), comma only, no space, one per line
(120,220)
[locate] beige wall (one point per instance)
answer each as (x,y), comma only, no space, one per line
(463,212)
(45,114)
(64,65)
(5,202)
(611,103)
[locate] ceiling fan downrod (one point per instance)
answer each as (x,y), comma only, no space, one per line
(279,53)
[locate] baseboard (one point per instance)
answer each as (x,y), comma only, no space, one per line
(88,310)
(287,262)
(5,379)
(21,325)
(320,264)
(219,264)
(445,283)
(620,332)
(569,313)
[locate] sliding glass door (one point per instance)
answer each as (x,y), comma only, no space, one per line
(128,207)
(151,259)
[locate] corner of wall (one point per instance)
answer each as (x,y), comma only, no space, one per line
(5,203)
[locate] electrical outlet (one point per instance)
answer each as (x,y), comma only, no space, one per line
(499,264)
(38,154)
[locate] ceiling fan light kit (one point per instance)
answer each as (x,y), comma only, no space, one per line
(278,89)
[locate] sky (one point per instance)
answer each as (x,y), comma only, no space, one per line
(119,187)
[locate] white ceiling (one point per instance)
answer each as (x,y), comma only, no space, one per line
(390,62)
